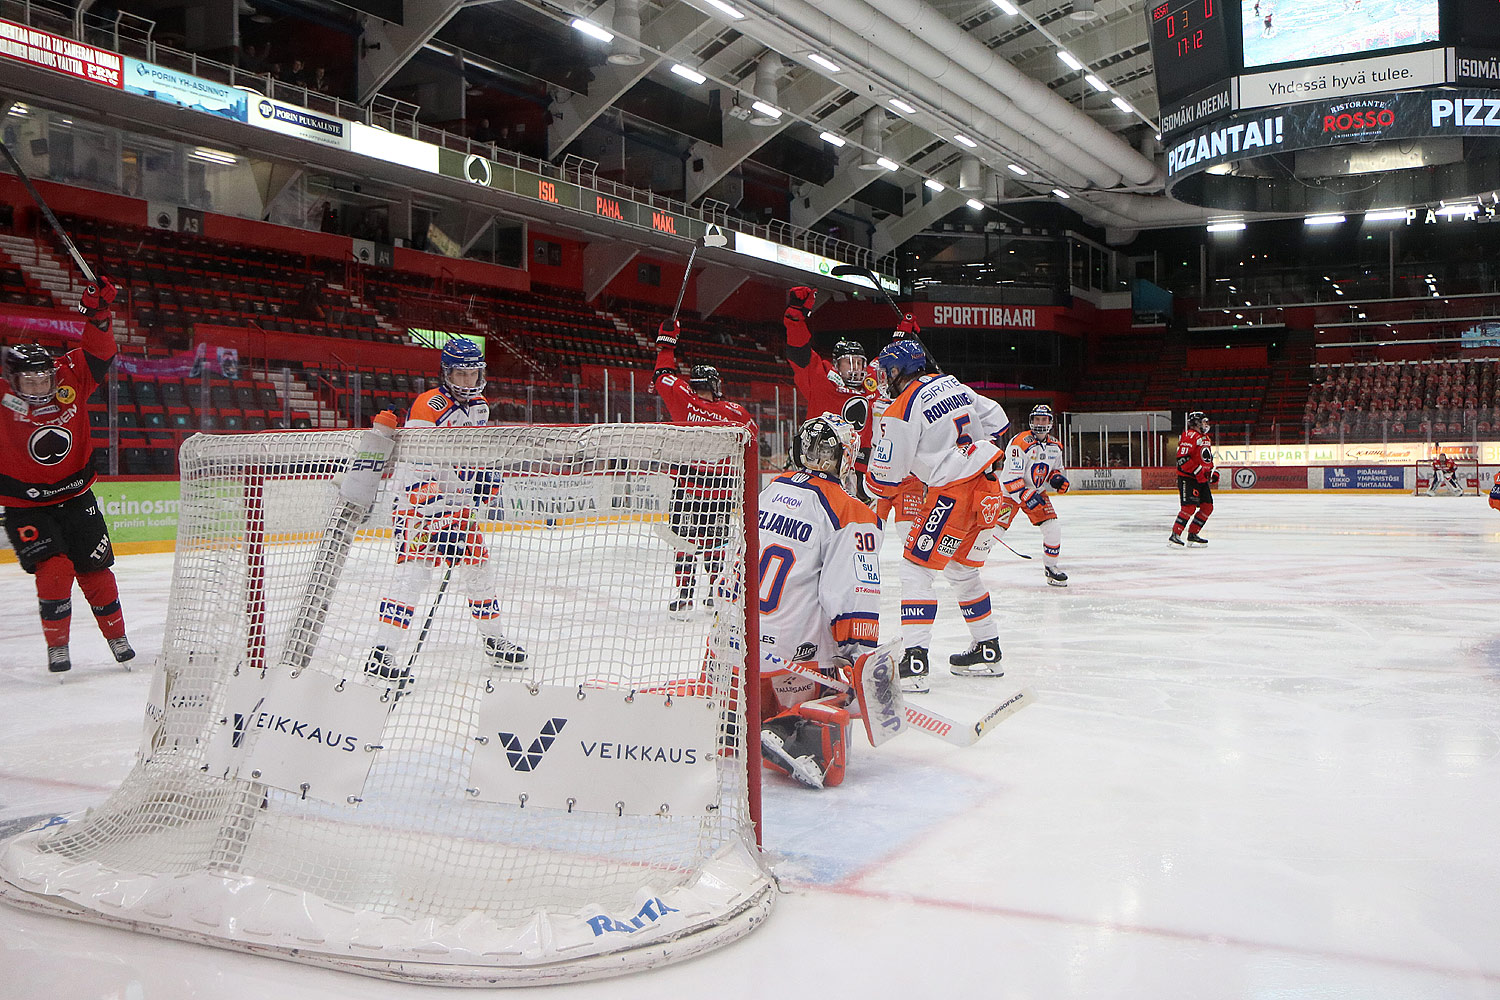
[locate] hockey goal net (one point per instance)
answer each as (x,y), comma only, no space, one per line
(1430,481)
(587,812)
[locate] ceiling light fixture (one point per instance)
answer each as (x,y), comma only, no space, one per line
(1070,60)
(1007,7)
(591,29)
(1386,215)
(888,164)
(902,106)
(1096,83)
(1225,227)
(966,141)
(825,62)
(724,7)
(1322,220)
(766,110)
(933,185)
(690,75)
(1120,103)
(1061,193)
(1019,171)
(976,204)
(831,139)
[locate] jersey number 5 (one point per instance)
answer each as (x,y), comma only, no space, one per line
(959,423)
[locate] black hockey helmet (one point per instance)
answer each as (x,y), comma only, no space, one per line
(33,360)
(851,372)
(705,378)
(1198,421)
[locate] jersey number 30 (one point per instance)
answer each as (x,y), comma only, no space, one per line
(775,563)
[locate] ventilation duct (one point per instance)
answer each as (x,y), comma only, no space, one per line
(767,72)
(870,136)
(1083,10)
(625,50)
(970,175)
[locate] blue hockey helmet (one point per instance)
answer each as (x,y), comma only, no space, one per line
(461,355)
(901,360)
(1040,420)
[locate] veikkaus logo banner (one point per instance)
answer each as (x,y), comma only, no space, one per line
(596,749)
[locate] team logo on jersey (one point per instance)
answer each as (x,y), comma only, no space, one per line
(66,394)
(50,445)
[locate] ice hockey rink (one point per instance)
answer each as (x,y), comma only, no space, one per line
(1266,768)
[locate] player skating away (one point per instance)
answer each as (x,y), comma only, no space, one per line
(948,436)
(819,599)
(1034,465)
(51,515)
(700,506)
(435,524)
(1444,475)
(1195,474)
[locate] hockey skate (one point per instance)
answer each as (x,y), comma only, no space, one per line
(802,769)
(58,661)
(682,607)
(913,671)
(120,647)
(381,664)
(504,652)
(1055,577)
(980,660)
(1196,539)
(1177,540)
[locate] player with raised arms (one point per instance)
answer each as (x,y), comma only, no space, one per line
(819,600)
(51,515)
(435,524)
(1195,475)
(1034,465)
(700,505)
(948,436)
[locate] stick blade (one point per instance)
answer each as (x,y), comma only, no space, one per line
(853,271)
(713,236)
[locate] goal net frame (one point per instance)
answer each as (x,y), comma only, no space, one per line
(592,812)
(1467,470)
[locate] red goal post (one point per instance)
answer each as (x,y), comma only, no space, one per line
(1466,471)
(590,813)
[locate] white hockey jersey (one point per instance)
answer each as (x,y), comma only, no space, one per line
(819,568)
(435,408)
(1029,462)
(937,429)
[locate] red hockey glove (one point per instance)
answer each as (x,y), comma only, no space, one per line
(666,334)
(96,301)
(1059,483)
(801,299)
(908,327)
(1214,477)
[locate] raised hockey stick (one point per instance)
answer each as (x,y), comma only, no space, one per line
(712,237)
(855,271)
(924,719)
(62,234)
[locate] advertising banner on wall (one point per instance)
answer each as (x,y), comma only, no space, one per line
(172,87)
(1097,480)
(1367,75)
(1365,477)
(49,51)
(1263,477)
(139,510)
(300,123)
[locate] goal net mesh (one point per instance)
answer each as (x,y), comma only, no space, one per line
(1465,476)
(567,542)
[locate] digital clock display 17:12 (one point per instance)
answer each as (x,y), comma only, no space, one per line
(1190,45)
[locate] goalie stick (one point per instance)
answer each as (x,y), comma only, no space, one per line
(912,716)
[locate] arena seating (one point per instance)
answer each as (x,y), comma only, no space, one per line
(1399,400)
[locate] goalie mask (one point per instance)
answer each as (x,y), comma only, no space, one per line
(849,362)
(462,365)
(1040,421)
(1198,421)
(825,444)
(31,372)
(705,379)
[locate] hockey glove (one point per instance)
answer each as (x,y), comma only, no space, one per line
(1214,477)
(666,334)
(96,301)
(801,299)
(1059,483)
(908,327)
(1032,499)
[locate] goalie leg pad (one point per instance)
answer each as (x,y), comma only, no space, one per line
(807,743)
(878,690)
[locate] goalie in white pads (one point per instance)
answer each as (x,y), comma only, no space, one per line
(819,601)
(435,524)
(1444,476)
(1034,465)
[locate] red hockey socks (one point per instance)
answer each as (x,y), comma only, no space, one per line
(104,600)
(54,592)
(1182,519)
(1202,516)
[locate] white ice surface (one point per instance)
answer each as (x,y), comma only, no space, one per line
(1269,768)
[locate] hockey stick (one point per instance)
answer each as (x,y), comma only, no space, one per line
(1007,545)
(855,271)
(62,234)
(431,613)
(925,719)
(712,237)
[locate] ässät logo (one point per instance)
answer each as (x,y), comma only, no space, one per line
(50,445)
(529,758)
(477,169)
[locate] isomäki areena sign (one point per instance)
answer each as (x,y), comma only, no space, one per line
(1403,115)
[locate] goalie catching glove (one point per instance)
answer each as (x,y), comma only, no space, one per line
(97,300)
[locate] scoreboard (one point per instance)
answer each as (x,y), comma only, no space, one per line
(1190,45)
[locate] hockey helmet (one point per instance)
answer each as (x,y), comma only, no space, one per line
(705,378)
(849,360)
(901,360)
(1040,420)
(1198,421)
(462,366)
(825,444)
(31,372)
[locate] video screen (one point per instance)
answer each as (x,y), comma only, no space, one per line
(1282,31)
